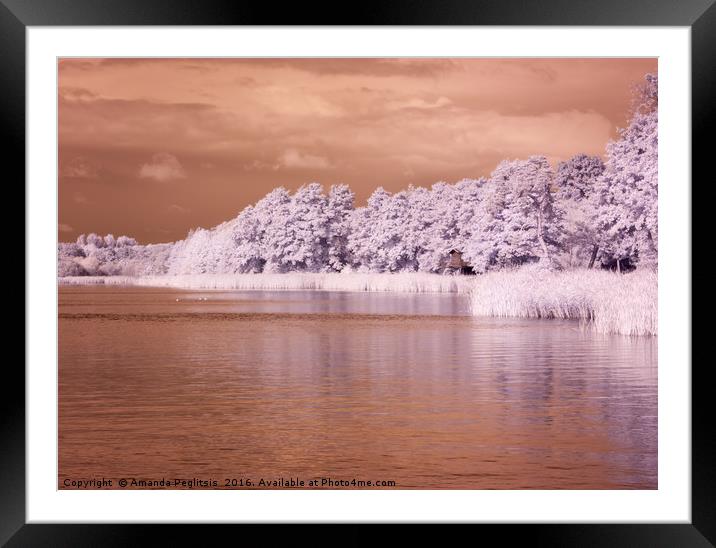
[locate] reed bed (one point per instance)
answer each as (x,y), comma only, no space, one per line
(403,282)
(607,301)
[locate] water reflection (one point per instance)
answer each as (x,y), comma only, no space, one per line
(387,386)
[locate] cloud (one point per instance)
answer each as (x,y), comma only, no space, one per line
(381,67)
(163,167)
(248,125)
(69,93)
(62,227)
(259,165)
(175,208)
(140,123)
(80,168)
(418,103)
(295,158)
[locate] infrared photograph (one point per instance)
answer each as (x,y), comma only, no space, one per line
(357,273)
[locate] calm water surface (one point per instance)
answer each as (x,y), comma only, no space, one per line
(164,383)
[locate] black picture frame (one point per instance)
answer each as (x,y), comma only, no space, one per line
(16,15)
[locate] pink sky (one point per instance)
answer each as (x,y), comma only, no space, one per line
(153,147)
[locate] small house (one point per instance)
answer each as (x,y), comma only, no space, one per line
(455,263)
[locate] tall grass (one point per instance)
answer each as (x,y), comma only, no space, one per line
(404,282)
(607,301)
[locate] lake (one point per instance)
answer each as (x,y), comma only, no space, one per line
(405,390)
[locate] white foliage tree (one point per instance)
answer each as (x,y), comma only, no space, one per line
(193,255)
(436,223)
(626,196)
(575,181)
(273,212)
(525,212)
(393,244)
(363,239)
(517,220)
(338,213)
(307,230)
(94,255)
(248,235)
(486,242)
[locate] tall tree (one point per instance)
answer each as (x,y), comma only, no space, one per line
(626,196)
(306,229)
(518,218)
(575,182)
(273,212)
(248,234)
(364,240)
(338,212)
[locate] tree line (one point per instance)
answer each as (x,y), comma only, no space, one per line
(586,212)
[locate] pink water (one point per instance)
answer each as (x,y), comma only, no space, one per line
(235,387)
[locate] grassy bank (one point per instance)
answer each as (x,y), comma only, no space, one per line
(403,282)
(609,302)
(604,301)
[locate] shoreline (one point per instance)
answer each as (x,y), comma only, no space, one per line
(358,282)
(623,304)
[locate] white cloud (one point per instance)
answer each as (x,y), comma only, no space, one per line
(259,165)
(163,167)
(418,103)
(294,158)
(80,168)
(175,208)
(62,227)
